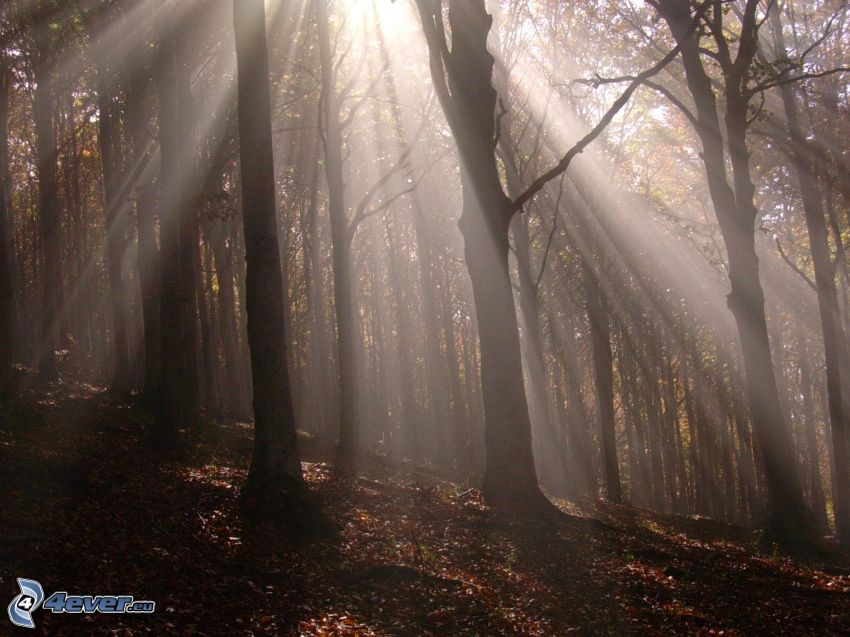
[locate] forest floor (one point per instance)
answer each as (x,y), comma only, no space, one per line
(88,507)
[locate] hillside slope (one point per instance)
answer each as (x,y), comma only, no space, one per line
(88,507)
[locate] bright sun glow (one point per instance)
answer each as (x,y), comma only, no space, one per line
(390,16)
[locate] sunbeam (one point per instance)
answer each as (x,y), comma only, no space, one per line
(365,317)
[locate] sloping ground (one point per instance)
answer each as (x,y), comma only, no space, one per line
(86,506)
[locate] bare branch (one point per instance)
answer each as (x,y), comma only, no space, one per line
(794,266)
(801,77)
(537,185)
(598,81)
(555,216)
(401,164)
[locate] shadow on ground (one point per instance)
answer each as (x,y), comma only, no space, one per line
(89,507)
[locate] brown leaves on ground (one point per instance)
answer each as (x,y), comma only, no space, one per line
(89,507)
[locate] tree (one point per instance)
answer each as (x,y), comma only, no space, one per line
(600,342)
(789,521)
(342,234)
(275,472)
(178,400)
(462,78)
(139,115)
(43,61)
(7,292)
(114,194)
(834,340)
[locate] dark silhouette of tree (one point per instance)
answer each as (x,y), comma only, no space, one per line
(275,475)
(836,354)
(790,522)
(178,400)
(7,290)
(462,80)
(43,61)
(462,77)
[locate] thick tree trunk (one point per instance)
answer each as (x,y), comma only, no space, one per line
(109,140)
(542,425)
(537,391)
(148,251)
(7,291)
(509,474)
(48,223)
(178,405)
(470,107)
(790,521)
(275,465)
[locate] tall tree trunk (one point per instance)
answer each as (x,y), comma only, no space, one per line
(344,303)
(469,101)
(48,218)
(532,350)
(436,383)
(789,521)
(109,140)
(410,425)
(275,465)
(236,400)
(148,251)
(816,493)
(178,399)
(321,355)
(603,366)
(836,355)
(438,397)
(209,351)
(460,418)
(7,290)
(578,417)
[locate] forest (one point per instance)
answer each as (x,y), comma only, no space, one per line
(425,317)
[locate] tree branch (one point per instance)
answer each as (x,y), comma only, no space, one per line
(794,266)
(537,185)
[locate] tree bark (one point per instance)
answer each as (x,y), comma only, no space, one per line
(7,291)
(109,140)
(789,521)
(148,251)
(469,101)
(236,400)
(816,493)
(275,464)
(836,355)
(178,398)
(48,215)
(603,366)
(347,323)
